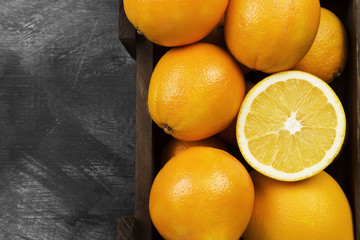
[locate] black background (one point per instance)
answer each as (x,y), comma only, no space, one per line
(67,120)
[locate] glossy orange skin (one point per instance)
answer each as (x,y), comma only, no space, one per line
(229,134)
(174,23)
(195,91)
(269,35)
(202,193)
(315,208)
(327,56)
(175,146)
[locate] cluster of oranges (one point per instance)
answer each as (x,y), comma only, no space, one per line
(288,127)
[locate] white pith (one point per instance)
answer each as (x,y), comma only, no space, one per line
(292,124)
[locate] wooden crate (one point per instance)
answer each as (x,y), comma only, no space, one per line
(150,138)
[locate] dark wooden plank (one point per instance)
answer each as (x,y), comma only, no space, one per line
(145,164)
(127,33)
(356,123)
(352,106)
(125,228)
(355,118)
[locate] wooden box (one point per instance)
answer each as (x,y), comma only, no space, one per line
(150,138)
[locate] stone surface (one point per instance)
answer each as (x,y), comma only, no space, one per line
(67,120)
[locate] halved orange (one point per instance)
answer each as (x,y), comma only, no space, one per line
(291,125)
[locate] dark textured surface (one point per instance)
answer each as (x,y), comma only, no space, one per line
(67,120)
(126,228)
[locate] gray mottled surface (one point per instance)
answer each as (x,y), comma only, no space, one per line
(67,120)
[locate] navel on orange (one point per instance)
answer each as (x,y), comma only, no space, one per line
(291,125)
(269,35)
(195,91)
(201,193)
(175,23)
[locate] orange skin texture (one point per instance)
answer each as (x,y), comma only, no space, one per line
(269,35)
(175,146)
(202,193)
(195,91)
(327,56)
(315,208)
(229,134)
(174,23)
(216,37)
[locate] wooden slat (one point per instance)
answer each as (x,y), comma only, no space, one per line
(127,33)
(355,118)
(137,46)
(125,228)
(353,114)
(145,164)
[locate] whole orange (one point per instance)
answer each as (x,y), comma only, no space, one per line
(174,146)
(174,23)
(202,193)
(269,35)
(315,208)
(326,58)
(195,91)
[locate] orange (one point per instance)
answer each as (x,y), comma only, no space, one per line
(291,125)
(174,23)
(175,146)
(216,37)
(269,35)
(315,208)
(326,58)
(195,91)
(229,134)
(202,193)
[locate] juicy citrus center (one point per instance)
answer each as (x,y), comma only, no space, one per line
(292,124)
(298,130)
